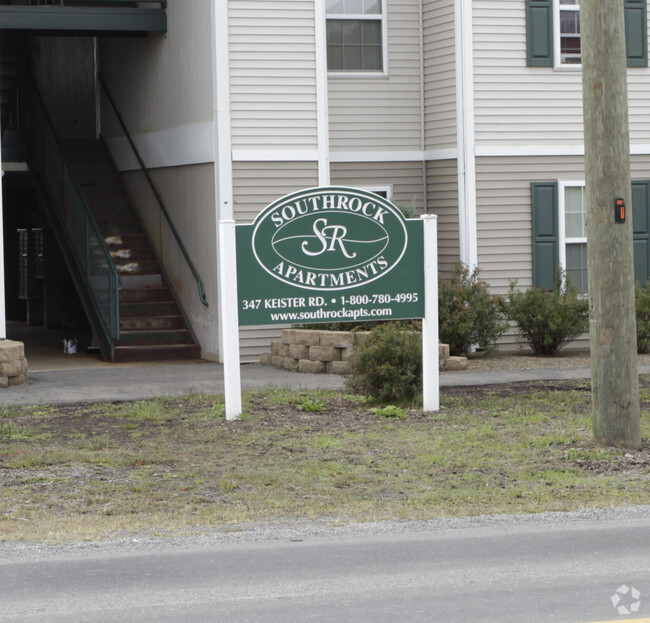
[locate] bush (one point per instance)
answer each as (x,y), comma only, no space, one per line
(549,320)
(642,318)
(468,313)
(387,365)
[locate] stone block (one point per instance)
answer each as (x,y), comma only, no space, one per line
(307,337)
(280,349)
(11,368)
(299,351)
(337,367)
(346,353)
(4,382)
(443,351)
(337,339)
(324,353)
(311,367)
(290,363)
(11,351)
(21,379)
(266,359)
(454,364)
(277,361)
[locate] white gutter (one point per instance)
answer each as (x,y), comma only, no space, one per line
(322,105)
(223,190)
(465,131)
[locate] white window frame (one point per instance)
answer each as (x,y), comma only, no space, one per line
(381,189)
(369,73)
(563,241)
(557,35)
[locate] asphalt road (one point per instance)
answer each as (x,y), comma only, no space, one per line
(563,568)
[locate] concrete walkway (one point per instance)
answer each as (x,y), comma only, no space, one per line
(137,382)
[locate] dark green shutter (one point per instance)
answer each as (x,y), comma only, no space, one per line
(636,33)
(641,228)
(539,33)
(546,256)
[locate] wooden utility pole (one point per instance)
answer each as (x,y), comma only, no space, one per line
(615,383)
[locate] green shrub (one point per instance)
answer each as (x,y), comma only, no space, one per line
(642,318)
(468,313)
(387,365)
(549,320)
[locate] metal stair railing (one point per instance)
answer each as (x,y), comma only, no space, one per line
(92,255)
(154,190)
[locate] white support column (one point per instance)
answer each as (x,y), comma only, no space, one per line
(221,130)
(322,104)
(229,321)
(430,341)
(466,137)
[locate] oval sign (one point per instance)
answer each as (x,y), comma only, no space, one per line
(329,238)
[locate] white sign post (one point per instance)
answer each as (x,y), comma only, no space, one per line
(230,319)
(430,330)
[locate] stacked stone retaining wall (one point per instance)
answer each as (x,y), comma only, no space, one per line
(317,351)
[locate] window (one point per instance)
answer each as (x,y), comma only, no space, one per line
(355,35)
(567,32)
(559,236)
(553,33)
(573,252)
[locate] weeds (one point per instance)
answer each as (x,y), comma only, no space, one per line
(81,472)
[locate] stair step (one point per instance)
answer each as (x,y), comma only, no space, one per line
(108,204)
(126,241)
(102,190)
(168,352)
(148,308)
(149,323)
(115,229)
(145,267)
(126,255)
(154,337)
(141,281)
(146,295)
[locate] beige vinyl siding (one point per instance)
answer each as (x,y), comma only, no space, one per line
(515,104)
(378,113)
(273,74)
(442,200)
(504,213)
(504,210)
(518,105)
(439,74)
(256,185)
(405,178)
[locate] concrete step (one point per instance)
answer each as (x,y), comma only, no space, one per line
(146,295)
(157,353)
(148,308)
(149,323)
(153,337)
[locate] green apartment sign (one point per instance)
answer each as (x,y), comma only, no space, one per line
(329,254)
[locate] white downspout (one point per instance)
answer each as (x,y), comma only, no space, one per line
(221,127)
(322,104)
(465,131)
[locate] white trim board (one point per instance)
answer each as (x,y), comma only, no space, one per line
(183,145)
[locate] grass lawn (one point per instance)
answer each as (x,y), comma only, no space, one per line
(175,466)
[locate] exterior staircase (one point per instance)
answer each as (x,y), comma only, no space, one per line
(151,324)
